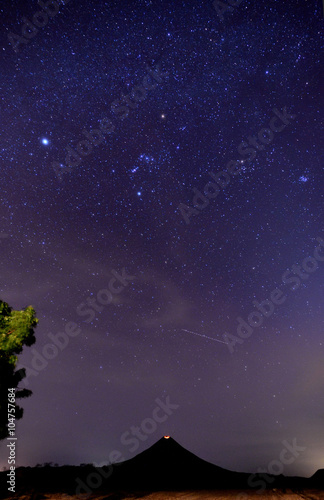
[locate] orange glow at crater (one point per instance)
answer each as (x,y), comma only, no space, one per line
(166,437)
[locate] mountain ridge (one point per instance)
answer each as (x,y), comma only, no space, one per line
(165,465)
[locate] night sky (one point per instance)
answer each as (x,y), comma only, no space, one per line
(137,274)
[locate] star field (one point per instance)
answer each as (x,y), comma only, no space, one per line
(71,228)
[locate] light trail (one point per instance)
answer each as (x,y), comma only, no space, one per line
(204,336)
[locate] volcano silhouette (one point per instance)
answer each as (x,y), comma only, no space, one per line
(165,466)
(168,466)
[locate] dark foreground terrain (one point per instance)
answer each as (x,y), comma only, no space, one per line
(165,470)
(191,495)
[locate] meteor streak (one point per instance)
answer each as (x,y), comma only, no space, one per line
(204,336)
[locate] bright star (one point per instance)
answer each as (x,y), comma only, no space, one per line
(303,178)
(139,193)
(45,141)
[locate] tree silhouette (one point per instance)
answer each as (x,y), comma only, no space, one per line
(16,330)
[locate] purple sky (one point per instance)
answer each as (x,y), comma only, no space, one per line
(142,288)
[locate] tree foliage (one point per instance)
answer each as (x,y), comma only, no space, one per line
(16,330)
